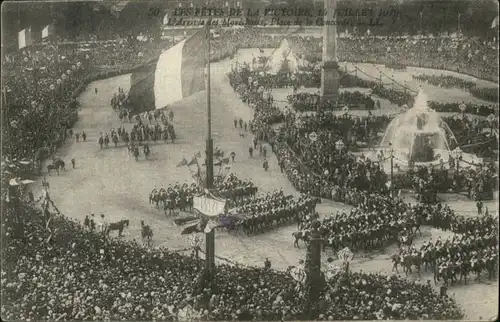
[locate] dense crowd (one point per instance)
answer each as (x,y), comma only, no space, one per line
(42,80)
(265,112)
(303,102)
(463,55)
(309,102)
(77,274)
(319,167)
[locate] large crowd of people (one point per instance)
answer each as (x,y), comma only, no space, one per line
(319,167)
(67,272)
(78,274)
(463,55)
(43,79)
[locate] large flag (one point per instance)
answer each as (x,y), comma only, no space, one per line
(24,38)
(47,31)
(175,75)
(494,23)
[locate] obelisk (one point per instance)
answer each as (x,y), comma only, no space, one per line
(329,70)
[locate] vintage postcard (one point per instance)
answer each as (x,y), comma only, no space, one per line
(257,160)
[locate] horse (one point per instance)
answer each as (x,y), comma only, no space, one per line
(409,260)
(300,235)
(52,166)
(60,164)
(117,226)
(396,259)
(146,233)
(152,197)
(169,204)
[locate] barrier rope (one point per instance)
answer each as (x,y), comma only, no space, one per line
(395,81)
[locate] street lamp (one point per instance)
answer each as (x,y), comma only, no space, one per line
(421,27)
(458,156)
(491,119)
(391,150)
(313,267)
(339,145)
(462,108)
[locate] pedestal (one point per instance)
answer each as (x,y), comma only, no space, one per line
(329,82)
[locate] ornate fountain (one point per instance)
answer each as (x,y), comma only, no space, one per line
(419,136)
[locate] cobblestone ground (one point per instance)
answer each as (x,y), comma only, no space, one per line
(110,181)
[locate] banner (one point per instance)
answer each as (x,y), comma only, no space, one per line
(24,38)
(209,206)
(47,31)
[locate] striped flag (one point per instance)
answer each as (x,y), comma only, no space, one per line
(24,38)
(47,31)
(176,74)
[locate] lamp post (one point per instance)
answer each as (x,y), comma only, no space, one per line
(392,169)
(339,146)
(491,119)
(458,156)
(421,25)
(210,235)
(313,269)
(462,108)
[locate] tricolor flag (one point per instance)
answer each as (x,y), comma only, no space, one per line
(24,38)
(47,31)
(176,74)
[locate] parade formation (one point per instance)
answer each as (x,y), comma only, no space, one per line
(259,170)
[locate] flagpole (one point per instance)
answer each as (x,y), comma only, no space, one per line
(209,236)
